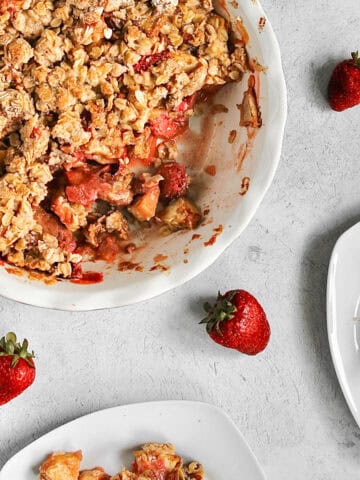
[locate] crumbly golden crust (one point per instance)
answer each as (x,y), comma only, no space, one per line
(61,466)
(152,461)
(157,460)
(83,80)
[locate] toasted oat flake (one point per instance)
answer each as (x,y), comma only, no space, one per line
(163,5)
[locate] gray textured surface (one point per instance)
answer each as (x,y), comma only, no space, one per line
(287,401)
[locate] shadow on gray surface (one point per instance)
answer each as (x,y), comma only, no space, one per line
(320,79)
(313,297)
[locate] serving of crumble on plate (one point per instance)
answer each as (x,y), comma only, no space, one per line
(154,461)
(208,446)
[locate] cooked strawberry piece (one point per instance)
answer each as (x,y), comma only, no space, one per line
(148,466)
(75,176)
(89,278)
(86,186)
(76,271)
(51,225)
(109,248)
(86,251)
(84,193)
(148,61)
(175,180)
(187,103)
(167,128)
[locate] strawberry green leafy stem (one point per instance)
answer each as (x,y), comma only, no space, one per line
(356,58)
(223,309)
(9,346)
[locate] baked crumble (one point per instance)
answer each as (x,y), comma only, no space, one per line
(93,94)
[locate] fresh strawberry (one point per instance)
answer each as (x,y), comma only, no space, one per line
(344,85)
(237,320)
(17,367)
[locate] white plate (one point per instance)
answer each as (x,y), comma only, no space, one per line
(220,193)
(107,438)
(343,315)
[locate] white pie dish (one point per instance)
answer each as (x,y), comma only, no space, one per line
(220,193)
(198,431)
(343,315)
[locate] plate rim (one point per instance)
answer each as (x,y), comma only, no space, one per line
(330,319)
(159,403)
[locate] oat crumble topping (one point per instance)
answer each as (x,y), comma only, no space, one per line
(90,90)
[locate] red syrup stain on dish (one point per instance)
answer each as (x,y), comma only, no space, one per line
(218,230)
(128,266)
(158,265)
(88,278)
(245,185)
(232,136)
(196,236)
(160,258)
(161,267)
(262,23)
(211,170)
(130,248)
(85,278)
(209,221)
